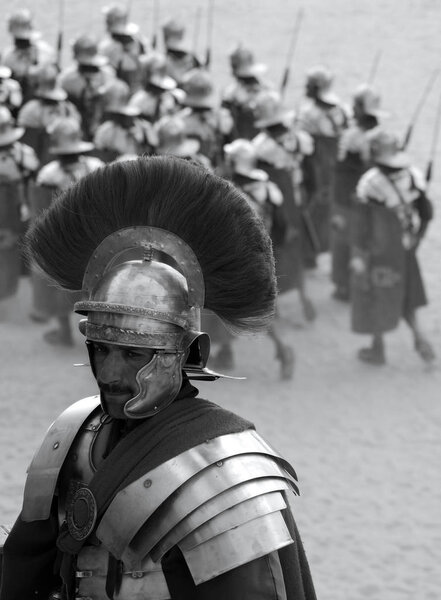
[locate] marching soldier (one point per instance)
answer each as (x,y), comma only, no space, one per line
(211,125)
(353,160)
(158,97)
(240,96)
(28,50)
(391,216)
(323,117)
(18,164)
(280,150)
(10,91)
(148,490)
(266,199)
(122,131)
(38,115)
(70,163)
(180,58)
(85,81)
(123,45)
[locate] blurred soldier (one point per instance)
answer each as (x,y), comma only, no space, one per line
(28,50)
(323,117)
(172,139)
(210,125)
(280,151)
(18,163)
(157,99)
(353,160)
(10,91)
(180,58)
(266,199)
(69,165)
(122,131)
(123,46)
(240,96)
(391,216)
(156,492)
(85,81)
(38,115)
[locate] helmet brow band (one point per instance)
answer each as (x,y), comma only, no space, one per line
(123,309)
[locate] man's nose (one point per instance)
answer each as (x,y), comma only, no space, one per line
(110,370)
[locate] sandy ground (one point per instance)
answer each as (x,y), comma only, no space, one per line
(365,441)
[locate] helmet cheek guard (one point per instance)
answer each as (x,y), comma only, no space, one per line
(149,302)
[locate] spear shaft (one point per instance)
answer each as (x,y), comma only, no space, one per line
(292,47)
(419,107)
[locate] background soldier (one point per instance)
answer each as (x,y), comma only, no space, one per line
(390,220)
(172,139)
(39,114)
(86,80)
(323,117)
(171,496)
(28,50)
(18,163)
(353,160)
(122,131)
(69,165)
(10,91)
(280,151)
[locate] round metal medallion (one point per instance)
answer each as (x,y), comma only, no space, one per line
(81,514)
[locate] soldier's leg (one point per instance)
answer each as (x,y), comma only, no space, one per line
(422,345)
(308,307)
(374,355)
(284,353)
(61,336)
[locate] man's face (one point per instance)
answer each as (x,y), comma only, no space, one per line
(116,368)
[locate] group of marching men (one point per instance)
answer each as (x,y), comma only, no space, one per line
(323,178)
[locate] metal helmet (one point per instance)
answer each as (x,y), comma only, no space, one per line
(115,14)
(198,87)
(242,156)
(20,23)
(152,301)
(173,29)
(8,132)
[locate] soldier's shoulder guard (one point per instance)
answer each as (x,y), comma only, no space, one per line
(221,503)
(46,465)
(371,186)
(51,175)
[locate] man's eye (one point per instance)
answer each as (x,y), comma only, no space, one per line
(98,348)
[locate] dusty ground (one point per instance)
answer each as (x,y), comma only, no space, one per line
(366,442)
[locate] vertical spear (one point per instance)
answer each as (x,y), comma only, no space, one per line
(418,108)
(374,66)
(292,47)
(210,18)
(60,33)
(155,21)
(434,142)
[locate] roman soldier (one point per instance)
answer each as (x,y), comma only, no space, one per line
(70,163)
(324,118)
(391,216)
(28,51)
(18,164)
(280,150)
(122,131)
(85,82)
(353,160)
(147,490)
(39,114)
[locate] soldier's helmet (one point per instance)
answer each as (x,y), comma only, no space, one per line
(20,24)
(154,68)
(116,96)
(366,101)
(151,242)
(45,77)
(244,66)
(199,91)
(172,137)
(115,14)
(242,157)
(173,30)
(269,110)
(385,149)
(319,80)
(65,137)
(8,132)
(85,51)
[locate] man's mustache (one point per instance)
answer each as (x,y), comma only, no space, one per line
(108,388)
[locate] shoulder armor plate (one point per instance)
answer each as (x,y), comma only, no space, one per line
(48,460)
(198,499)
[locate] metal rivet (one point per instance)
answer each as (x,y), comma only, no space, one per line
(147,483)
(219,463)
(56,445)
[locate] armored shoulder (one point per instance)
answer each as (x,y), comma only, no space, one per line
(221,503)
(48,460)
